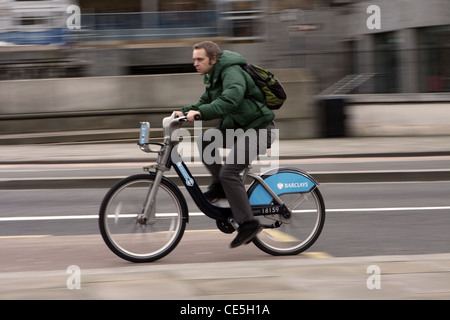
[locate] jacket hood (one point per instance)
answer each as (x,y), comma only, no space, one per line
(226,59)
(229,58)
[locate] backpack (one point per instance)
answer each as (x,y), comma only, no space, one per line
(269,84)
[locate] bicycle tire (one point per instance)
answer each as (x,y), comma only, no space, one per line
(120,209)
(309,218)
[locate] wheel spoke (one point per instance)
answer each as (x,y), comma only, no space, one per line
(135,241)
(298,232)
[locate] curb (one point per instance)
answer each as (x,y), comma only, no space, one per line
(287,156)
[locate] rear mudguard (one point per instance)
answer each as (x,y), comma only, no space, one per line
(281,181)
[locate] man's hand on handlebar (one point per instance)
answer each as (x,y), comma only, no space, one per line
(191,116)
(179,114)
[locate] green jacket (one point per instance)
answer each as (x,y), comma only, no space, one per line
(228,88)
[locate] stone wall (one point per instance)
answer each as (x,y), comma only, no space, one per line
(118,102)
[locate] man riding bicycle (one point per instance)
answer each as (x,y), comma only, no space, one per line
(233,97)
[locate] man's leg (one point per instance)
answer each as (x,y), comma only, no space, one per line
(235,192)
(244,150)
(208,144)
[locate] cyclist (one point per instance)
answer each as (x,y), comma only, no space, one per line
(231,96)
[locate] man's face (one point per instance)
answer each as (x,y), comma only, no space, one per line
(201,61)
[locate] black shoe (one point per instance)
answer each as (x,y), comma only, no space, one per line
(215,192)
(246,232)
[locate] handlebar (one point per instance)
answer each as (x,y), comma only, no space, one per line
(184,118)
(170,125)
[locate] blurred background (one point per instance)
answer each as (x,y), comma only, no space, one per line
(133,59)
(378,78)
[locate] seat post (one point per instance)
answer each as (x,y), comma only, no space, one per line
(245,172)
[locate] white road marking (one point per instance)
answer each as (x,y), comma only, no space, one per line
(196,214)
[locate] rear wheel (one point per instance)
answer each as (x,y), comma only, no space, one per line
(293,235)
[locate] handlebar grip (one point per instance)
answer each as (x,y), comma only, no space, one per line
(196,117)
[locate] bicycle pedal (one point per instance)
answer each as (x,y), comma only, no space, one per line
(225,226)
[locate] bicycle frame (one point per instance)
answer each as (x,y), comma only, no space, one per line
(165,162)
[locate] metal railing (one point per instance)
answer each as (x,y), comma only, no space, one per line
(115,26)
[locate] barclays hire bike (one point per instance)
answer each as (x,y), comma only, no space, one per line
(143,217)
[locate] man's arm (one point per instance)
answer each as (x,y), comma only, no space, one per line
(233,91)
(203,100)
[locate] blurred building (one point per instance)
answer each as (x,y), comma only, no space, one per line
(409,52)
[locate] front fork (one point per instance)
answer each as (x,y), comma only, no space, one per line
(148,215)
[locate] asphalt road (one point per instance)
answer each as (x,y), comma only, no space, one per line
(363,218)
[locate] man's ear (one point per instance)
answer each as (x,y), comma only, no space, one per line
(213,60)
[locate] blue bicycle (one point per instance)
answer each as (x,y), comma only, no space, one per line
(142,218)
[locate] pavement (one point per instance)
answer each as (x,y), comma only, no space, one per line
(114,152)
(303,277)
(411,277)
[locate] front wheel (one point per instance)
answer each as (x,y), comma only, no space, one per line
(127,235)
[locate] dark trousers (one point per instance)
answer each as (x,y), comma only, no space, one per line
(245,146)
